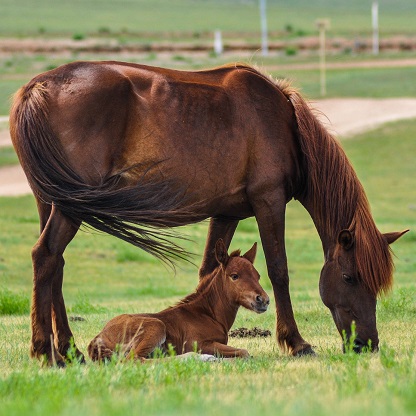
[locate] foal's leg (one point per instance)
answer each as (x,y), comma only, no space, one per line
(137,336)
(48,265)
(225,351)
(270,215)
(150,334)
(219,227)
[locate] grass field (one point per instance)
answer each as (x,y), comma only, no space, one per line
(105,276)
(46,18)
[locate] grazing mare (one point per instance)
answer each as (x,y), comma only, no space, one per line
(202,319)
(134,150)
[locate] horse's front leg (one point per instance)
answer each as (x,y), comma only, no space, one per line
(48,320)
(219,227)
(270,215)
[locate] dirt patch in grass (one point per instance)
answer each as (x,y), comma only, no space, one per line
(250,333)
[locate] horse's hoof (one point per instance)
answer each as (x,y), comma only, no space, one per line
(305,350)
(61,364)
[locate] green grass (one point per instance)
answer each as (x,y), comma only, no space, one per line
(25,18)
(366,83)
(8,156)
(104,277)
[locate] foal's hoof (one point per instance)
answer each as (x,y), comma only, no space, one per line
(208,357)
(304,350)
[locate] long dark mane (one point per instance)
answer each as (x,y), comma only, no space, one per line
(337,196)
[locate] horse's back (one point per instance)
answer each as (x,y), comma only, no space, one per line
(214,131)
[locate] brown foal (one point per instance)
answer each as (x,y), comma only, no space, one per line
(201,320)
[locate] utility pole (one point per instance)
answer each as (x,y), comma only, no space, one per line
(218,45)
(374,14)
(263,23)
(322,25)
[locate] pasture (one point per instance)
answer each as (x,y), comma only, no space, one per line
(127,18)
(105,277)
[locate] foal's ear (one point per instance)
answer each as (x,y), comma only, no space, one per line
(392,237)
(221,253)
(251,254)
(345,239)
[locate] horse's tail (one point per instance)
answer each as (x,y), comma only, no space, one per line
(134,214)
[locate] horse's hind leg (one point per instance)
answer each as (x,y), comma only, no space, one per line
(219,227)
(48,313)
(61,330)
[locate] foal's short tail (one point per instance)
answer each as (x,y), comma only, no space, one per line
(134,213)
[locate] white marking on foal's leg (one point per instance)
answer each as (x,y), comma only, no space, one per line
(196,356)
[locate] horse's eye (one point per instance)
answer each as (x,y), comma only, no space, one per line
(348,279)
(234,276)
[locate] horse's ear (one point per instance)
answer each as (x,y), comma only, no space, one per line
(221,253)
(392,237)
(346,239)
(251,254)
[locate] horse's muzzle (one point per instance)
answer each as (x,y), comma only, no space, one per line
(360,346)
(261,304)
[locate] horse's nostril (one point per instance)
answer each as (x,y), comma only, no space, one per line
(261,300)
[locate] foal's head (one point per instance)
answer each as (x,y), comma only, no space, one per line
(240,278)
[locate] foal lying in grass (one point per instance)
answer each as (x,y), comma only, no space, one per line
(202,318)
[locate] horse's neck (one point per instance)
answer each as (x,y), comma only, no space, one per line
(327,238)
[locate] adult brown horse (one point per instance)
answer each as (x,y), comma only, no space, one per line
(123,147)
(200,320)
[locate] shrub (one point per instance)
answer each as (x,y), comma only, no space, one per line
(291,50)
(78,36)
(83,305)
(13,303)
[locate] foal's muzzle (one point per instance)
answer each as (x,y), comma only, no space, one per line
(261,304)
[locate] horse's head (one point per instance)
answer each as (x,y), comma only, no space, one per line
(348,295)
(241,279)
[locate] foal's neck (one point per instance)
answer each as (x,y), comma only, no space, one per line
(216,302)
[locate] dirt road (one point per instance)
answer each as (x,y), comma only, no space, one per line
(343,117)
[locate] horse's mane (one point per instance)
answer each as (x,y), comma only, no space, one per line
(336,195)
(205,283)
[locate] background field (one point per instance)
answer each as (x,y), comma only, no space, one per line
(123,16)
(104,276)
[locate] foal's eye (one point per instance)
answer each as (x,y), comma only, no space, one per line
(348,279)
(234,276)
